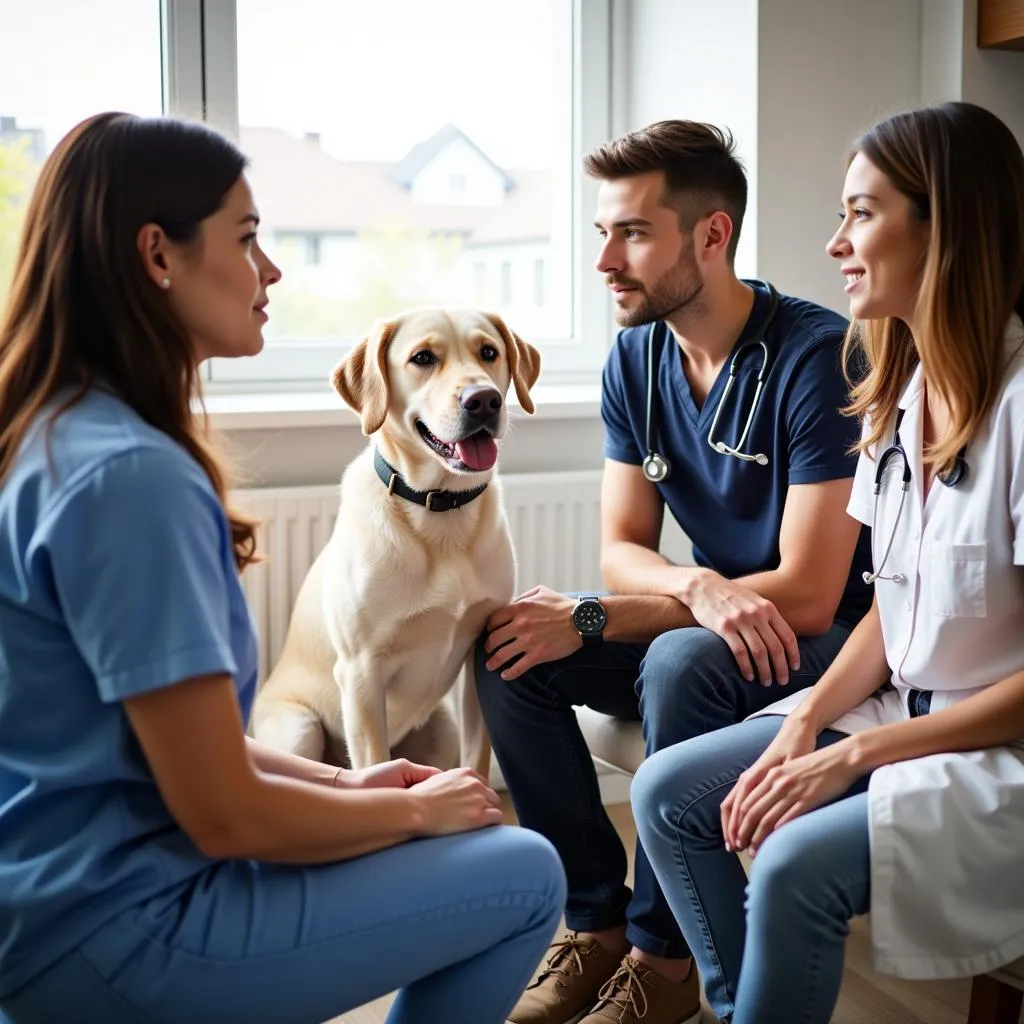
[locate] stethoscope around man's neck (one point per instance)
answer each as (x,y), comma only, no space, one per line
(655,466)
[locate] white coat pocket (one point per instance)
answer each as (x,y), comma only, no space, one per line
(956,580)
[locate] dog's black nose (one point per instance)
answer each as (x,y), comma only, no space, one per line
(480,402)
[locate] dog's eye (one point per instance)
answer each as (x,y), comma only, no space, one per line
(424,358)
(488,353)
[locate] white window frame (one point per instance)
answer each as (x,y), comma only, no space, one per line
(201,82)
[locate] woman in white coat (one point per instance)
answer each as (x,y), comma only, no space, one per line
(896,784)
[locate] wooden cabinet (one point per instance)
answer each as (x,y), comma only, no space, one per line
(1001,24)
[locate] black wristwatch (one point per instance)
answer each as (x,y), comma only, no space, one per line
(590,617)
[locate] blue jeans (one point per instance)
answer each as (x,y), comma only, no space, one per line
(807,880)
(684,684)
(457,923)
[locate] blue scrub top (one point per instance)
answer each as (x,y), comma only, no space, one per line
(730,509)
(117,577)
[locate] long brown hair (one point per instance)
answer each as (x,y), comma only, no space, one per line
(82,309)
(702,172)
(963,172)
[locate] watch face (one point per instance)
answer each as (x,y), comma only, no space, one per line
(589,616)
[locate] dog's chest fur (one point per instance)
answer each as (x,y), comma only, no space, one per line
(417,595)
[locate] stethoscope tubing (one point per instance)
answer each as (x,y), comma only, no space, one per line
(894,451)
(655,466)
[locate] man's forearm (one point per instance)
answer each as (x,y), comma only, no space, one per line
(639,618)
(633,569)
(803,604)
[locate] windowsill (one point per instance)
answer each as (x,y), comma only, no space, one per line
(290,410)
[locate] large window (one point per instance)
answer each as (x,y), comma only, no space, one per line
(402,153)
(55,71)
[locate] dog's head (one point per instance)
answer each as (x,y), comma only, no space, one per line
(437,380)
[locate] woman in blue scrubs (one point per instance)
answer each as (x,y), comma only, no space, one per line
(155,863)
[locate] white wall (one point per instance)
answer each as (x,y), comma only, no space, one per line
(296,456)
(955,68)
(942,50)
(826,72)
(699,61)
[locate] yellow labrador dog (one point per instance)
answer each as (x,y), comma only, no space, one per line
(419,557)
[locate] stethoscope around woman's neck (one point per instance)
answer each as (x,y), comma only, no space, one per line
(953,477)
(655,466)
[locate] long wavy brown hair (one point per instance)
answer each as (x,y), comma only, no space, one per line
(963,172)
(82,309)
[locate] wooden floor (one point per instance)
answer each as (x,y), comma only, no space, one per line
(866,997)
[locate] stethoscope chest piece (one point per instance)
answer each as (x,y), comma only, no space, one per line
(656,468)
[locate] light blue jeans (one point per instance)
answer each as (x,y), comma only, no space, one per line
(807,880)
(458,924)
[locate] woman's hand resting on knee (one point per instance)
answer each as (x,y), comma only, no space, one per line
(795,738)
(455,801)
(194,741)
(451,801)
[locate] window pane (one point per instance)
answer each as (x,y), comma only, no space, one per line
(408,153)
(59,63)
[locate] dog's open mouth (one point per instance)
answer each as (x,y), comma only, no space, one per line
(474,454)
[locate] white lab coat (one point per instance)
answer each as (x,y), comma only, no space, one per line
(947,831)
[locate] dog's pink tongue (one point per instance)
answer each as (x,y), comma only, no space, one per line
(477,452)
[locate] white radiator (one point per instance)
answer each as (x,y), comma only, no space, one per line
(554,519)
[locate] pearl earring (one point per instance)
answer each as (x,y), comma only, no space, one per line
(165,283)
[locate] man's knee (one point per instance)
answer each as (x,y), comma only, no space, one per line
(687,684)
(490,687)
(496,694)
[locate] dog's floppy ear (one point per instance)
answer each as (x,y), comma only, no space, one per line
(361,378)
(523,361)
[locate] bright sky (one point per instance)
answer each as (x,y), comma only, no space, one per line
(373,78)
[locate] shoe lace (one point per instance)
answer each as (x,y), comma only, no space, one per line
(625,991)
(565,960)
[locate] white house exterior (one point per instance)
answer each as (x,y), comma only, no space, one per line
(444,225)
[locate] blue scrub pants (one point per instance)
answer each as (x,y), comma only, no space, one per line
(458,924)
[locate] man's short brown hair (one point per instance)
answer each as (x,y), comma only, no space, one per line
(702,172)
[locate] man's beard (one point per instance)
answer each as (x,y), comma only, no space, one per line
(675,289)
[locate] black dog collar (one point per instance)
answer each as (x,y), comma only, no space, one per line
(432,501)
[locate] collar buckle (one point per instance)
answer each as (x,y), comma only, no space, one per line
(432,501)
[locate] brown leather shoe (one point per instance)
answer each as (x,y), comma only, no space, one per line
(636,993)
(568,984)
